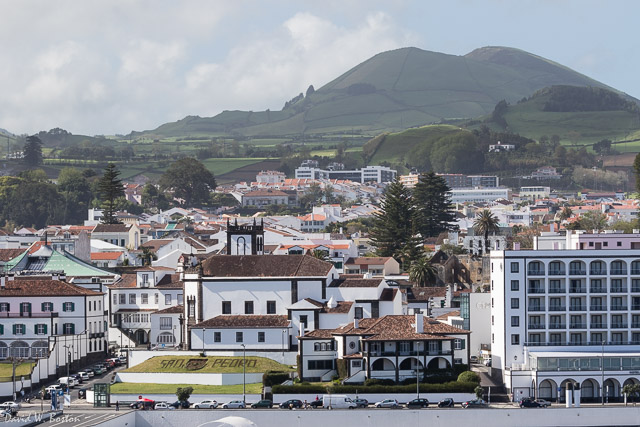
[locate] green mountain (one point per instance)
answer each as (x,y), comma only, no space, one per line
(396,90)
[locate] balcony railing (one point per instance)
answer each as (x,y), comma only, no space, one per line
(635,307)
(557,272)
(557,308)
(635,288)
(598,325)
(577,272)
(635,324)
(618,271)
(557,326)
(635,270)
(577,289)
(535,272)
(577,308)
(619,325)
(598,290)
(536,290)
(165,327)
(46,314)
(598,272)
(536,308)
(536,326)
(600,307)
(618,290)
(576,325)
(618,307)
(557,290)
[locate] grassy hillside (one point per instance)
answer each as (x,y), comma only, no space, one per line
(573,127)
(397,90)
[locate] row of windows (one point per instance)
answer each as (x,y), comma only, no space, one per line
(578,267)
(217,337)
(38,329)
(596,338)
(135,318)
(25,307)
(320,364)
(144,299)
(248,307)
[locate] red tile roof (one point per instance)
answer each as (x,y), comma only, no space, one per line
(171,310)
(105,256)
(9,254)
(43,287)
(245,321)
(265,266)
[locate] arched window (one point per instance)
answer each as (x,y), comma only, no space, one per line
(323,346)
(597,268)
(39,349)
(241,246)
(19,349)
(316,346)
(166,338)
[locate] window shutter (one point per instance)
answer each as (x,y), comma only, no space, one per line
(29,307)
(35,329)
(15,327)
(73,326)
(45,329)
(64,306)
(42,306)
(73,306)
(463,343)
(1,329)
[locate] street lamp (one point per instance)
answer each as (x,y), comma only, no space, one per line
(418,370)
(203,329)
(244,382)
(68,347)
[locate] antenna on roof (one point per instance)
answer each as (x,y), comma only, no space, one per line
(45,237)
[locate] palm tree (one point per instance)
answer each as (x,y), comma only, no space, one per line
(565,213)
(320,254)
(147,256)
(484,224)
(422,271)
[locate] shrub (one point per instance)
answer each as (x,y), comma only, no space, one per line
(184,393)
(342,368)
(272,378)
(375,381)
(469,377)
(479,391)
(300,388)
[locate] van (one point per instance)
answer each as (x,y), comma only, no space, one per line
(68,381)
(338,401)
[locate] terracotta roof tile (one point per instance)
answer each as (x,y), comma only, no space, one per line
(9,254)
(105,256)
(171,310)
(245,321)
(350,282)
(367,261)
(265,266)
(43,287)
(319,333)
(112,228)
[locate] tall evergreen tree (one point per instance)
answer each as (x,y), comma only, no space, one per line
(110,188)
(393,233)
(433,212)
(33,151)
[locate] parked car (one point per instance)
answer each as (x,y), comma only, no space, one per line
(418,403)
(163,406)
(77,378)
(446,403)
(234,404)
(291,403)
(474,359)
(184,404)
(67,381)
(90,373)
(315,404)
(98,369)
(206,404)
(487,362)
(387,403)
(528,402)
(543,402)
(475,403)
(262,404)
(143,404)
(362,403)
(52,389)
(84,375)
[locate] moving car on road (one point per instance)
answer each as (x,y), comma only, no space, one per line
(362,403)
(181,404)
(475,403)
(163,406)
(387,403)
(418,403)
(528,402)
(206,404)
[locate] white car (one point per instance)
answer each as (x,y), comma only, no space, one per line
(234,404)
(387,403)
(10,406)
(163,406)
(206,404)
(84,376)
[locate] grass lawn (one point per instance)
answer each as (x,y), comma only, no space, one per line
(213,364)
(6,369)
(142,388)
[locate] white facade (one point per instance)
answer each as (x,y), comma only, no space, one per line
(572,305)
(470,195)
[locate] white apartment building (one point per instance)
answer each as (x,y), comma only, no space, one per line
(566,317)
(471,195)
(133,299)
(36,313)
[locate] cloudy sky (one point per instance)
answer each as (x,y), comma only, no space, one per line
(113,66)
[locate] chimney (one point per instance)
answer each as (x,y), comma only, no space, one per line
(2,281)
(301,329)
(355,323)
(11,277)
(419,323)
